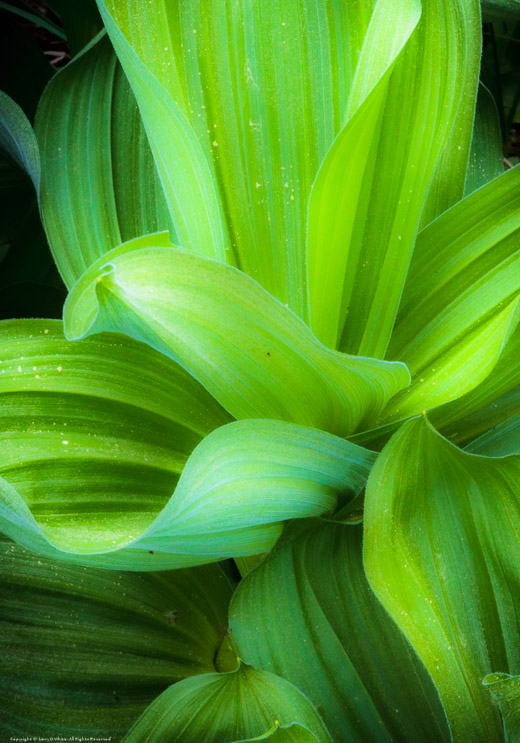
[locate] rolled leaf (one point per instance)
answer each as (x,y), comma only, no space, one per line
(84,651)
(327,634)
(253,354)
(440,550)
(459,306)
(99,182)
(245,704)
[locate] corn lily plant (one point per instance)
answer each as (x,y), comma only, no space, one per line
(290,344)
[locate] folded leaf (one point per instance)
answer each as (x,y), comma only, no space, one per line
(308,614)
(505,689)
(440,550)
(364,216)
(485,162)
(95,437)
(460,301)
(84,651)
(253,354)
(229,707)
(99,182)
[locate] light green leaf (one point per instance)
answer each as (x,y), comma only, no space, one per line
(99,183)
(308,614)
(265,88)
(360,243)
(459,306)
(227,707)
(505,689)
(188,182)
(97,436)
(253,354)
(485,161)
(488,404)
(84,651)
(440,550)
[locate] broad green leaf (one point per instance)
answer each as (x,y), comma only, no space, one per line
(94,435)
(84,651)
(99,183)
(460,301)
(440,550)
(255,356)
(308,614)
(96,469)
(505,689)
(227,707)
(265,88)
(364,214)
(236,490)
(485,161)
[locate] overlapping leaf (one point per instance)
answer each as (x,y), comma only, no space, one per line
(264,88)
(92,452)
(361,235)
(460,302)
(485,162)
(99,183)
(308,614)
(253,354)
(84,651)
(245,704)
(440,551)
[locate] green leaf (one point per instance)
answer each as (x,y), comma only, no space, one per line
(94,435)
(84,651)
(308,614)
(253,354)
(364,213)
(229,707)
(97,436)
(505,689)
(488,404)
(80,19)
(99,183)
(500,441)
(17,139)
(188,182)
(459,305)
(264,88)
(495,10)
(440,550)
(485,161)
